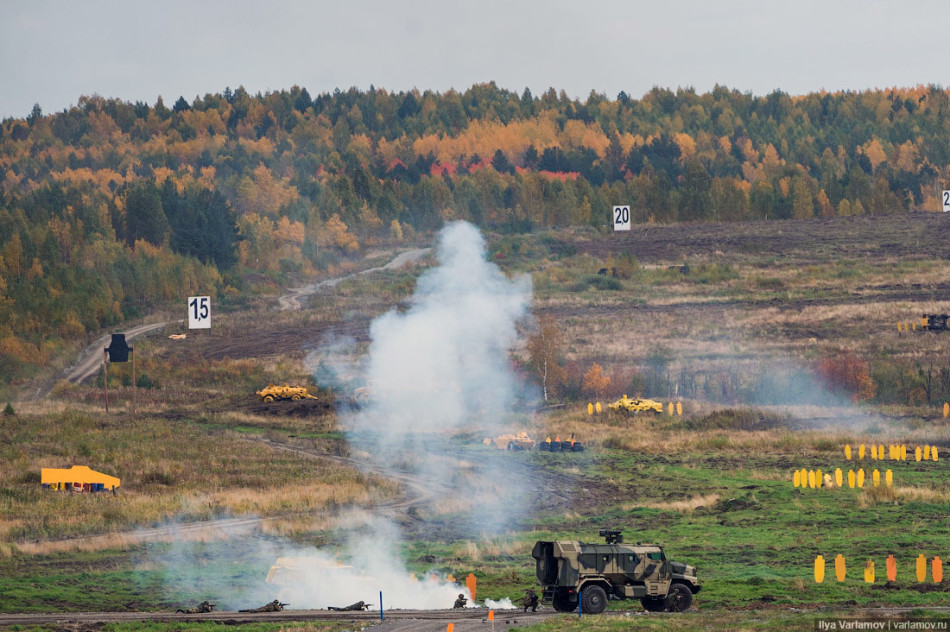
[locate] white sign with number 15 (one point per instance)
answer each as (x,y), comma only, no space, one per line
(199,312)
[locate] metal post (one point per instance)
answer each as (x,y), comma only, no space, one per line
(580,600)
(380,605)
(132,351)
(105,376)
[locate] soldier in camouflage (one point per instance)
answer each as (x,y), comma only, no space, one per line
(359,605)
(530,600)
(204,606)
(274,606)
(460,602)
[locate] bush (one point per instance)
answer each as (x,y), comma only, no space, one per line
(8,410)
(144,381)
(598,282)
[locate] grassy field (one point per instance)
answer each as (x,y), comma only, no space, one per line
(735,341)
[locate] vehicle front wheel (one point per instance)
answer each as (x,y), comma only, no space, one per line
(594,600)
(268,398)
(653,604)
(680,598)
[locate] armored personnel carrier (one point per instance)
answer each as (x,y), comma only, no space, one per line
(590,574)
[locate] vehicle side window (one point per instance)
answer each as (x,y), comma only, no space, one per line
(655,556)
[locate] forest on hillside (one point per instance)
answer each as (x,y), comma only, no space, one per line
(110,208)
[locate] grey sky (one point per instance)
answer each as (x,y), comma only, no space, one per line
(52,52)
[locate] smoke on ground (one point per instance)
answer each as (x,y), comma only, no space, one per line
(240,567)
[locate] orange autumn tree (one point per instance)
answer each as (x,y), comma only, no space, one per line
(595,381)
(846,373)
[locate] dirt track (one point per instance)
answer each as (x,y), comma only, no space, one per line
(465,619)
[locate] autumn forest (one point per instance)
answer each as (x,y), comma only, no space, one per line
(109,209)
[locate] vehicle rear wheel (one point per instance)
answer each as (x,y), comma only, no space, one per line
(653,604)
(268,398)
(680,598)
(295,398)
(562,603)
(594,600)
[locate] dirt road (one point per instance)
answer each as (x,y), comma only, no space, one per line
(90,359)
(296,297)
(465,619)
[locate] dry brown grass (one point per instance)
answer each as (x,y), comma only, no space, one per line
(685,506)
(491,548)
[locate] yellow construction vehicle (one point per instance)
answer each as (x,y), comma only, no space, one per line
(274,393)
(636,406)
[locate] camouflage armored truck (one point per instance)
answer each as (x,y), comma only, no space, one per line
(614,570)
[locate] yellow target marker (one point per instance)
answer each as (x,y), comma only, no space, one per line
(926,453)
(811,479)
(933,453)
(869,571)
(903,453)
(921,568)
(797,478)
(819,569)
(847,452)
(851,478)
(876,477)
(860,478)
(880,452)
(679,408)
(918,453)
(838,478)
(818,479)
(590,408)
(669,409)
(861,451)
(874,452)
(946,410)
(888,478)
(840,567)
(598,408)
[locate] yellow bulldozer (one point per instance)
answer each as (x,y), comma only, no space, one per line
(283,392)
(636,406)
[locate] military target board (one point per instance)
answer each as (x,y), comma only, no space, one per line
(199,312)
(621,218)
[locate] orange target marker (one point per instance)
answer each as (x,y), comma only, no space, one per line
(840,567)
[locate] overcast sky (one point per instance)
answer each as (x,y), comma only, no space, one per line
(52,52)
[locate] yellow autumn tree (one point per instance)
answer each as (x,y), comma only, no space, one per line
(339,235)
(595,382)
(874,151)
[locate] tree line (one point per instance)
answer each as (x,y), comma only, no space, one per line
(110,207)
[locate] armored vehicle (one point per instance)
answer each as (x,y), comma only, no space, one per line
(636,406)
(294,393)
(593,573)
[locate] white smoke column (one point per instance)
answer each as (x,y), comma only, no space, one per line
(444,362)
